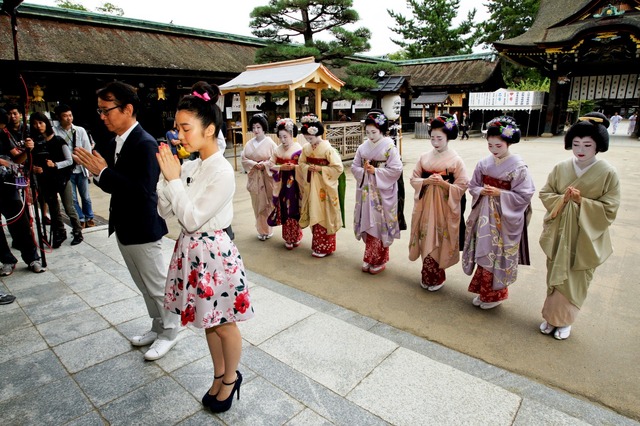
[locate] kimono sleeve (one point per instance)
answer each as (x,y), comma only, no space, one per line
(596,215)
(247,163)
(335,168)
(550,194)
(459,186)
(387,176)
(416,177)
(515,201)
(356,166)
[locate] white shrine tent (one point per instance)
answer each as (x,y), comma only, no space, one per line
(505,100)
(288,76)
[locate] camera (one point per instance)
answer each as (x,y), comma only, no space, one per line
(6,173)
(40,152)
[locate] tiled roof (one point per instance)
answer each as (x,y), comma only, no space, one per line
(391,83)
(432,98)
(62,36)
(462,70)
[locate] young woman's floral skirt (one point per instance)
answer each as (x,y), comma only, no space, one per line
(206,284)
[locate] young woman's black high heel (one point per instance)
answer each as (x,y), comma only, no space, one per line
(207,398)
(217,406)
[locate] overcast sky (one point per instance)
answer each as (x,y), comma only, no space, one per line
(233,16)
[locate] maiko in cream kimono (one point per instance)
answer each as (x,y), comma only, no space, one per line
(320,201)
(259,181)
(575,238)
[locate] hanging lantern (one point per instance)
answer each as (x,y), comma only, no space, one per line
(161,94)
(391,106)
(38,94)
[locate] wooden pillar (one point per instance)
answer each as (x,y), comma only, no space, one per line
(319,103)
(423,112)
(292,105)
(243,116)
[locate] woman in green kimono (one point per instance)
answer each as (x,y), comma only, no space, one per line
(582,196)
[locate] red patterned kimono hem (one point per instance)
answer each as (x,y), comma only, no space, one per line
(375,253)
(321,242)
(432,274)
(291,232)
(482,283)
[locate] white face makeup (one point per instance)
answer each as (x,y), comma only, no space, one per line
(497,146)
(584,149)
(373,133)
(257,129)
(285,138)
(439,140)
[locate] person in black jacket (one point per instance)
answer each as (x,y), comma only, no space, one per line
(126,167)
(53,165)
(11,207)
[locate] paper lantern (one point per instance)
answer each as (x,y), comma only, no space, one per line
(391,106)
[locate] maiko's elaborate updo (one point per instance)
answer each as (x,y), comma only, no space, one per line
(505,127)
(446,123)
(593,124)
(311,125)
(202,103)
(377,119)
(288,126)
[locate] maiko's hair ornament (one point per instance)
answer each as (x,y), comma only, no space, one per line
(311,125)
(288,125)
(378,119)
(447,123)
(505,127)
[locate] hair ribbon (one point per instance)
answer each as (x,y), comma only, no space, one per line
(205,96)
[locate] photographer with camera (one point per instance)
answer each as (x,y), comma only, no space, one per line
(53,164)
(12,206)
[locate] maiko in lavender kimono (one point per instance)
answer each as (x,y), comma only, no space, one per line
(376,169)
(496,236)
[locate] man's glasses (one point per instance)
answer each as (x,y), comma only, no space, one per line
(106,111)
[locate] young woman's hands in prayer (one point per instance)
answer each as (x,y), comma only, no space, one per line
(169,163)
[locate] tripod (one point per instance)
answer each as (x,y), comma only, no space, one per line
(10,8)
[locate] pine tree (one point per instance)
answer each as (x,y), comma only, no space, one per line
(429,32)
(283,22)
(509,18)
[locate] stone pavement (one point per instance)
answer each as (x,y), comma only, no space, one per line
(65,359)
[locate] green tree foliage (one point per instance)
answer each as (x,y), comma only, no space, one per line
(285,21)
(535,84)
(429,32)
(110,9)
(67,4)
(580,107)
(508,19)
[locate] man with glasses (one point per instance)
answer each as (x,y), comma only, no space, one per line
(126,167)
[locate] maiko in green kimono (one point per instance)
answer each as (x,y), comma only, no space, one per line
(582,196)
